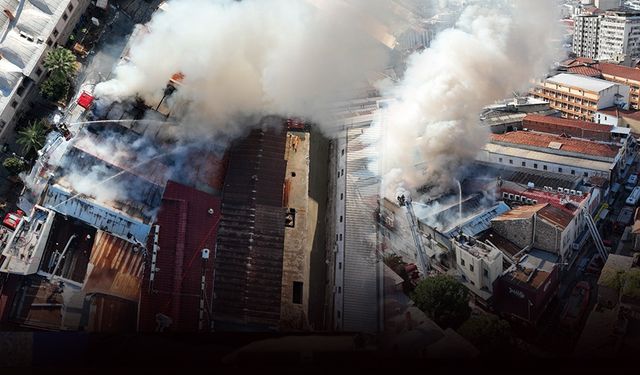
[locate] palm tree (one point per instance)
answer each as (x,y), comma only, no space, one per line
(61,62)
(33,137)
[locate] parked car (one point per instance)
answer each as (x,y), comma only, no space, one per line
(12,219)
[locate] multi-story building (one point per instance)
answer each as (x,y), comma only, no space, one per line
(30,27)
(579,97)
(585,35)
(607,4)
(619,37)
(479,263)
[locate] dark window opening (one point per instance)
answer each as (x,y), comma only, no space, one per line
(14,104)
(486,273)
(293,174)
(297,292)
(55,32)
(70,7)
(524,164)
(544,167)
(65,17)
(535,166)
(462,261)
(471,267)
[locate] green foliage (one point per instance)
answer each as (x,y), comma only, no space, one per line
(488,333)
(32,138)
(14,165)
(444,300)
(55,88)
(61,62)
(631,286)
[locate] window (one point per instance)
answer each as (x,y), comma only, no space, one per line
(524,164)
(559,170)
(339,265)
(65,17)
(535,165)
(586,174)
(544,167)
(486,273)
(14,104)
(510,161)
(293,174)
(341,219)
(343,151)
(471,267)
(573,171)
(38,72)
(340,236)
(20,90)
(462,261)
(49,42)
(500,160)
(336,237)
(70,7)
(55,32)
(338,314)
(297,292)
(2,124)
(341,196)
(342,172)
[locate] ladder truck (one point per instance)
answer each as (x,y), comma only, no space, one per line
(423,260)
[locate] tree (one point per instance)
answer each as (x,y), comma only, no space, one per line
(14,165)
(55,88)
(488,333)
(443,299)
(33,137)
(61,62)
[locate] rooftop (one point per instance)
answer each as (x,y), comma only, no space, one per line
(520,212)
(531,270)
(559,121)
(555,216)
(581,82)
(556,142)
(619,71)
(577,161)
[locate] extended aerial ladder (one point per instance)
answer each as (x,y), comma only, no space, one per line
(595,234)
(423,260)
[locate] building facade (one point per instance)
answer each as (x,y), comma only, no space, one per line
(579,97)
(619,37)
(479,263)
(585,35)
(32,28)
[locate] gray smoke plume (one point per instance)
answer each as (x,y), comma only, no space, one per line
(250,58)
(432,129)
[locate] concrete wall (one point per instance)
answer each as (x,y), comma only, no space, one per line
(548,238)
(520,232)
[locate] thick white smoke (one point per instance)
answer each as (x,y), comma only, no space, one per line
(432,129)
(250,58)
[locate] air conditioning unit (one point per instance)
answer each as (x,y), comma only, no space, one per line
(559,190)
(534,201)
(566,191)
(579,193)
(517,197)
(510,196)
(505,195)
(573,192)
(529,201)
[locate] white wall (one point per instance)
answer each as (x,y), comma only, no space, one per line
(492,264)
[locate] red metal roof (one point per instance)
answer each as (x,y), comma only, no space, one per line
(85,100)
(555,216)
(186,227)
(573,145)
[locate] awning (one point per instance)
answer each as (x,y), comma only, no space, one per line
(85,100)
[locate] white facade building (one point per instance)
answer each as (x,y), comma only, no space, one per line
(585,35)
(29,29)
(480,265)
(619,37)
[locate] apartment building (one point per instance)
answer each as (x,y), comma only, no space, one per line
(623,75)
(619,37)
(30,27)
(585,35)
(579,97)
(479,263)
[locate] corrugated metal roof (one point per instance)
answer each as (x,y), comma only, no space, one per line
(551,158)
(250,244)
(185,228)
(115,267)
(362,275)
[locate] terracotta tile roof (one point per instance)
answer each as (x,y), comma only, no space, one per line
(555,216)
(559,121)
(540,140)
(619,71)
(585,71)
(578,61)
